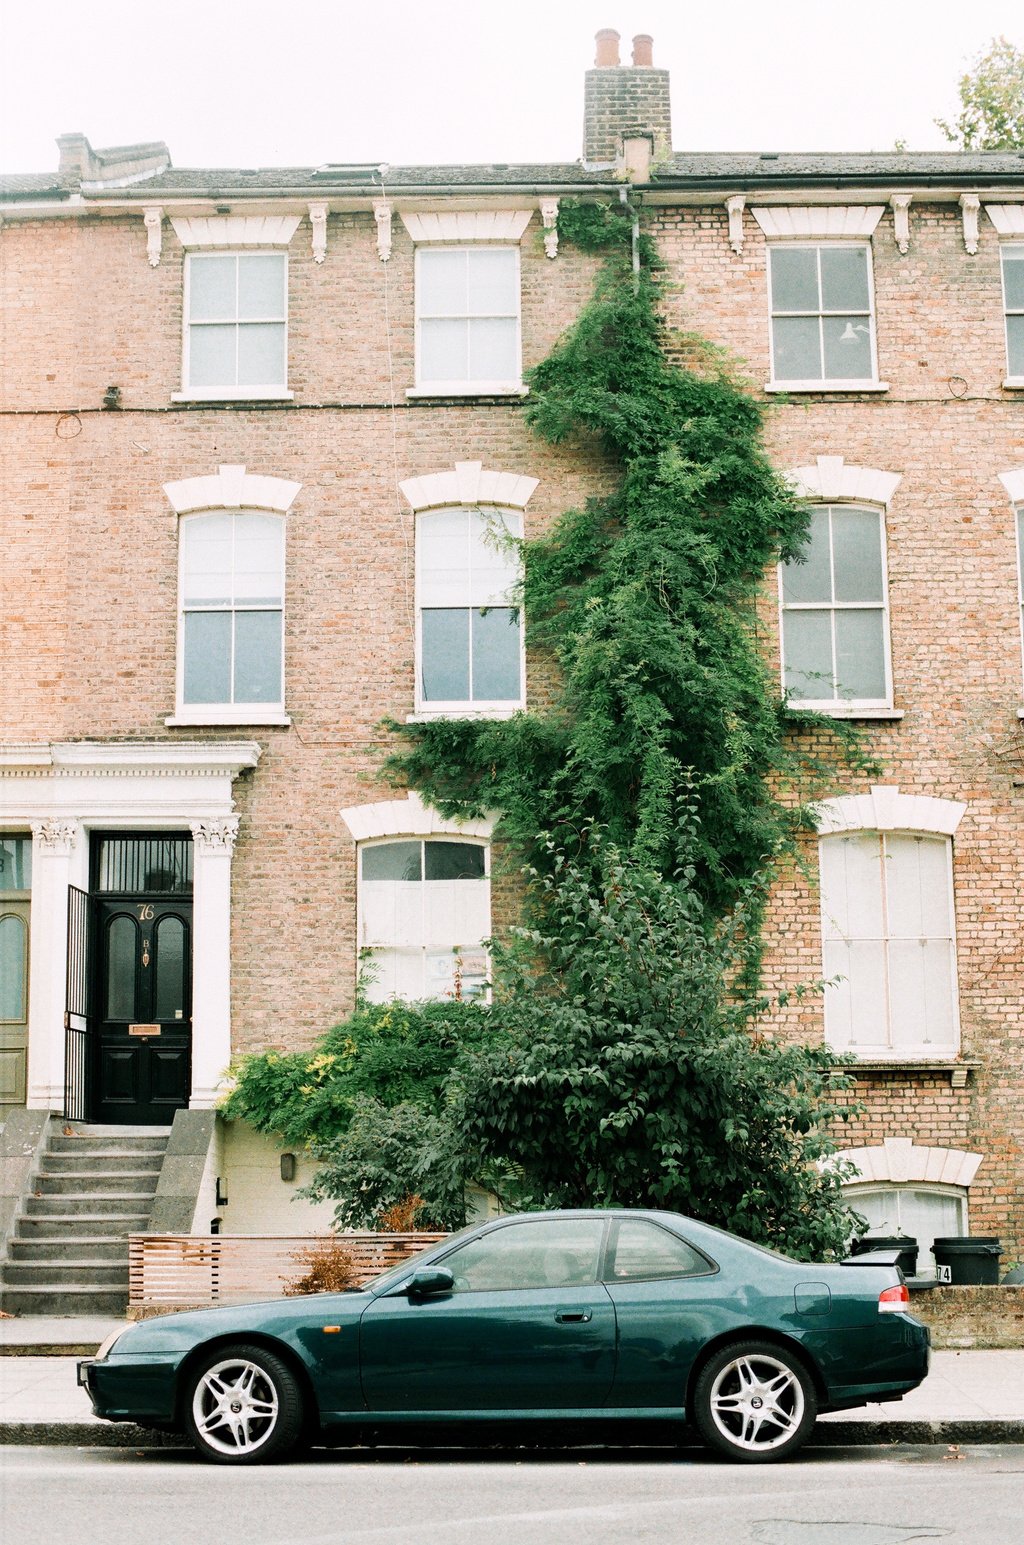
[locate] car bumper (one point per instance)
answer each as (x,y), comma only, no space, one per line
(137,1389)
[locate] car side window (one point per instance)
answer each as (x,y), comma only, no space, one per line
(642,1250)
(545,1252)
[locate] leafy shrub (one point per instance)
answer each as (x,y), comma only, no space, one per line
(329,1269)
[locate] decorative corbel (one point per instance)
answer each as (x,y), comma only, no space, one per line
(900,203)
(318,220)
(970,204)
(734,208)
(382,215)
(154,221)
(549,215)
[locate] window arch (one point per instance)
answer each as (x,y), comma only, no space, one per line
(901,1188)
(887,921)
(424,901)
(470,658)
(231,597)
(834,599)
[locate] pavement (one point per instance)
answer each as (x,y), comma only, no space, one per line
(968,1397)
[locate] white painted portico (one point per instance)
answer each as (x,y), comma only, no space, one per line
(63,791)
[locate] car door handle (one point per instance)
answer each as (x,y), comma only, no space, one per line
(573,1316)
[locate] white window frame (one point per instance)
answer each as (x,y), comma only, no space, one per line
(825,383)
(458,948)
(471,708)
(1018,527)
(1016,250)
(271,391)
(428,388)
(917,1051)
(226,713)
(856,1191)
(841,707)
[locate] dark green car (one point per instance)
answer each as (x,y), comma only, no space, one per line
(609,1315)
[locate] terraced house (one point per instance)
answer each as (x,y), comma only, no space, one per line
(259,428)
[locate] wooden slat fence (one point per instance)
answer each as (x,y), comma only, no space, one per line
(179,1271)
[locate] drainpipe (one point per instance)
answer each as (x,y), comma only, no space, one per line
(624,201)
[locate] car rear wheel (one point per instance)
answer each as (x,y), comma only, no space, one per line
(754,1402)
(243,1406)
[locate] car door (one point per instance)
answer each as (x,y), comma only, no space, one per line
(528,1327)
(670,1300)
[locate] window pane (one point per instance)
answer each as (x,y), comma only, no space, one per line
(810,579)
(847,349)
(921,993)
(1015,345)
(257,657)
(546,1253)
(917,879)
(261,286)
(492,351)
(207,657)
(856,1012)
(258,557)
(494,556)
(454,860)
(13,964)
(851,887)
(442,558)
(1013,280)
(444,351)
(807,655)
(15,863)
(442,281)
(211,289)
(445,655)
(169,996)
(393,861)
(492,283)
(497,661)
(206,566)
(860,654)
(211,356)
(857,554)
(644,1250)
(844,279)
(794,278)
(261,354)
(121,969)
(797,347)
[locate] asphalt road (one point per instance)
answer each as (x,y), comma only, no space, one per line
(508,1497)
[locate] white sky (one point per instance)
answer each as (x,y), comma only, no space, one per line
(300,82)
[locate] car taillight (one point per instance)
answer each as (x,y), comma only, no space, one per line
(894,1300)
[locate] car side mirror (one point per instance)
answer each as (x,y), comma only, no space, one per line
(430,1281)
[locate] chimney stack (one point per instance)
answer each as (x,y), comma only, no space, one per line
(625,104)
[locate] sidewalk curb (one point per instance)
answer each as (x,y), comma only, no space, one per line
(855,1434)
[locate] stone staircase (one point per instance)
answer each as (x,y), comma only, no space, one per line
(68,1250)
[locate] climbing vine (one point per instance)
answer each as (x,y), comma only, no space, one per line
(645,602)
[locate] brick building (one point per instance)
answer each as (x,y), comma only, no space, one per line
(262,442)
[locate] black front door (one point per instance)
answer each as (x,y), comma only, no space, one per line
(143,953)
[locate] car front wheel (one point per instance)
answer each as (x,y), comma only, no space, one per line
(243,1406)
(754,1402)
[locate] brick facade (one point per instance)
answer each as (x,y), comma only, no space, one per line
(90,542)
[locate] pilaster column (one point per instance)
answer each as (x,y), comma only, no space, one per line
(53,844)
(211,957)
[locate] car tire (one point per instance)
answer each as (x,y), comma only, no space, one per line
(754,1402)
(243,1406)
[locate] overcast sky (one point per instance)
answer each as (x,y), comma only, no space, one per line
(300,82)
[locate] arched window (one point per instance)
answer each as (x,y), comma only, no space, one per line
(424,901)
(888,937)
(834,598)
(231,597)
(469,635)
(904,1188)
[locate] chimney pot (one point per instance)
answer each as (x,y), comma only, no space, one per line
(643,49)
(607,41)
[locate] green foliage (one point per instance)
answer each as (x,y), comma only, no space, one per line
(385,1155)
(991,95)
(393,1053)
(646,602)
(627,1067)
